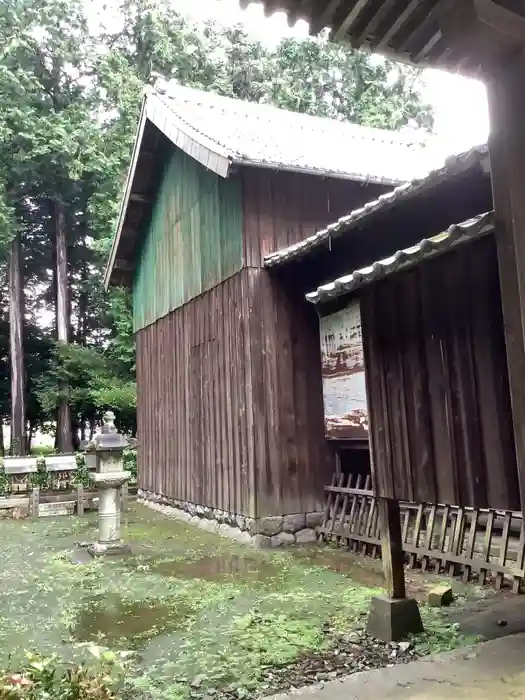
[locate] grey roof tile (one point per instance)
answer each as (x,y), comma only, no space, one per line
(265,136)
(408,257)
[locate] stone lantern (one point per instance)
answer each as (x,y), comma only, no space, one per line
(108,447)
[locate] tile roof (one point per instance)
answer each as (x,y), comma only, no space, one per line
(455,165)
(244,133)
(408,257)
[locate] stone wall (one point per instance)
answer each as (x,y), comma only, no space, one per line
(273,531)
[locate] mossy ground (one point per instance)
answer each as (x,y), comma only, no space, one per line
(203,614)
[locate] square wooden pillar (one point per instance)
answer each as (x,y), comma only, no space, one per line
(393,616)
(392,555)
(506,97)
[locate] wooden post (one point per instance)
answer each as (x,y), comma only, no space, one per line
(392,547)
(34,502)
(80,500)
(394,617)
(506,97)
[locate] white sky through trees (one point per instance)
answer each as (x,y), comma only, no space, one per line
(460,104)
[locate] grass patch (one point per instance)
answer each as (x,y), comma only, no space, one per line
(203,615)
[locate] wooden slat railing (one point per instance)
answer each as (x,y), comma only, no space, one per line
(446,538)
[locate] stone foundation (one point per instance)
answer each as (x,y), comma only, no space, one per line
(271,531)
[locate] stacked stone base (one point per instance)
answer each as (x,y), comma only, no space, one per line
(270,531)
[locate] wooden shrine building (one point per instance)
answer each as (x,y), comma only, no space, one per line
(230,414)
(483,38)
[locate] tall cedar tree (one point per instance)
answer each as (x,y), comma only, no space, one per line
(70,97)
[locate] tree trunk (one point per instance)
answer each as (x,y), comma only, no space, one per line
(64,442)
(82,306)
(2,446)
(30,436)
(16,351)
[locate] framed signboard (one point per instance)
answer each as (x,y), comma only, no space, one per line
(343,371)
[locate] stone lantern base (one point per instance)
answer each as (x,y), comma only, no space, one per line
(114,548)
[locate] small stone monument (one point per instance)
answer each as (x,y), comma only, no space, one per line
(109,477)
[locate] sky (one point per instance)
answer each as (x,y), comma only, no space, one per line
(460,107)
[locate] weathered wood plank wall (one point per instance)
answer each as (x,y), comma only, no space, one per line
(193,242)
(293,458)
(282,208)
(441,422)
(230,411)
(194,402)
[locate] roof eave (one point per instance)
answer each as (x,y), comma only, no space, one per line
(427,248)
(334,174)
(182,135)
(477,156)
(196,145)
(125,199)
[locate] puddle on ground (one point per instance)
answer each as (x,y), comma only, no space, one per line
(342,562)
(218,568)
(108,619)
(361,570)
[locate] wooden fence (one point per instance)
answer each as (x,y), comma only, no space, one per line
(50,486)
(481,543)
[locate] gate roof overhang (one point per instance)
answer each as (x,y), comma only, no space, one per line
(468,36)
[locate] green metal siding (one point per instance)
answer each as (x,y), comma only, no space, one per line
(194,240)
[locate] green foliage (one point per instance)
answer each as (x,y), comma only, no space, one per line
(130,464)
(49,678)
(96,381)
(206,616)
(5,482)
(440,634)
(70,101)
(81,474)
(41,477)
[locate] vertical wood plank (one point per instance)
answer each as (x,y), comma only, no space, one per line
(520,560)
(457,539)
(443,537)
(371,507)
(362,506)
(504,546)
(329,504)
(376,534)
(487,543)
(412,559)
(392,547)
(353,512)
(428,536)
(342,518)
(470,544)
(337,503)
(506,100)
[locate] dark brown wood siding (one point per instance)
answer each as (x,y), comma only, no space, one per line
(293,459)
(195,420)
(440,415)
(230,401)
(282,208)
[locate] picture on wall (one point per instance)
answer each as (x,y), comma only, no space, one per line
(343,371)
